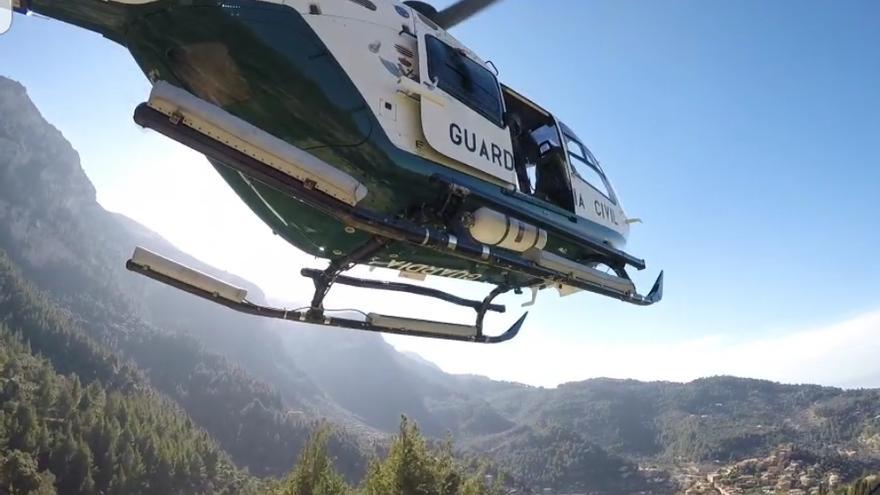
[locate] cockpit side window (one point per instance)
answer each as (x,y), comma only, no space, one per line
(465,79)
(585,166)
(575,148)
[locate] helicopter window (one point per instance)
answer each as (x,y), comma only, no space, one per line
(585,167)
(591,176)
(575,149)
(464,79)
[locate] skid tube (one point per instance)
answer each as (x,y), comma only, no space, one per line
(376,223)
(206,287)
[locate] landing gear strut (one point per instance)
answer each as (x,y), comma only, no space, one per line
(324,280)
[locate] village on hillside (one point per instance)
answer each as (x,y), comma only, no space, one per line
(783,472)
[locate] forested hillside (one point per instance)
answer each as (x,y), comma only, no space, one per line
(213,391)
(97,427)
(720,418)
(61,241)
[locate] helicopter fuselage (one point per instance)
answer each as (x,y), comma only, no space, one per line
(350,81)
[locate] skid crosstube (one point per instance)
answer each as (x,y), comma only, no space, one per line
(372,322)
(380,224)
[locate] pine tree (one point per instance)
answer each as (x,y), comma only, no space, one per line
(314,473)
(412,469)
(79,477)
(102,441)
(19,475)
(46,390)
(24,430)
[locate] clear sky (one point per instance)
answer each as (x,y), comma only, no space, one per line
(746,134)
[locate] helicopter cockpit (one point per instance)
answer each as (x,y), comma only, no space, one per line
(585,168)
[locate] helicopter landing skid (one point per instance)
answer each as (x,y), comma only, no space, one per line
(202,285)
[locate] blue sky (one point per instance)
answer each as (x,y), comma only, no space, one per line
(746,134)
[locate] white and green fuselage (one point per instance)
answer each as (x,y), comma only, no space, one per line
(351,83)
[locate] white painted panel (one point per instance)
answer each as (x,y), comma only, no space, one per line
(462,134)
(455,130)
(590,202)
(593,205)
(368,46)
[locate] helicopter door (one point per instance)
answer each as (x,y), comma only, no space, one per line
(462,107)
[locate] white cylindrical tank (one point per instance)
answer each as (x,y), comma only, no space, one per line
(496,229)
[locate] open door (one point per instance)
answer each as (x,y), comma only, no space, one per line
(462,107)
(541,163)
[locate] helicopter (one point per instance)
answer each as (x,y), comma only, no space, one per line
(363,133)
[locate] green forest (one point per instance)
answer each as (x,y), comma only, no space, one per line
(410,468)
(114,435)
(61,436)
